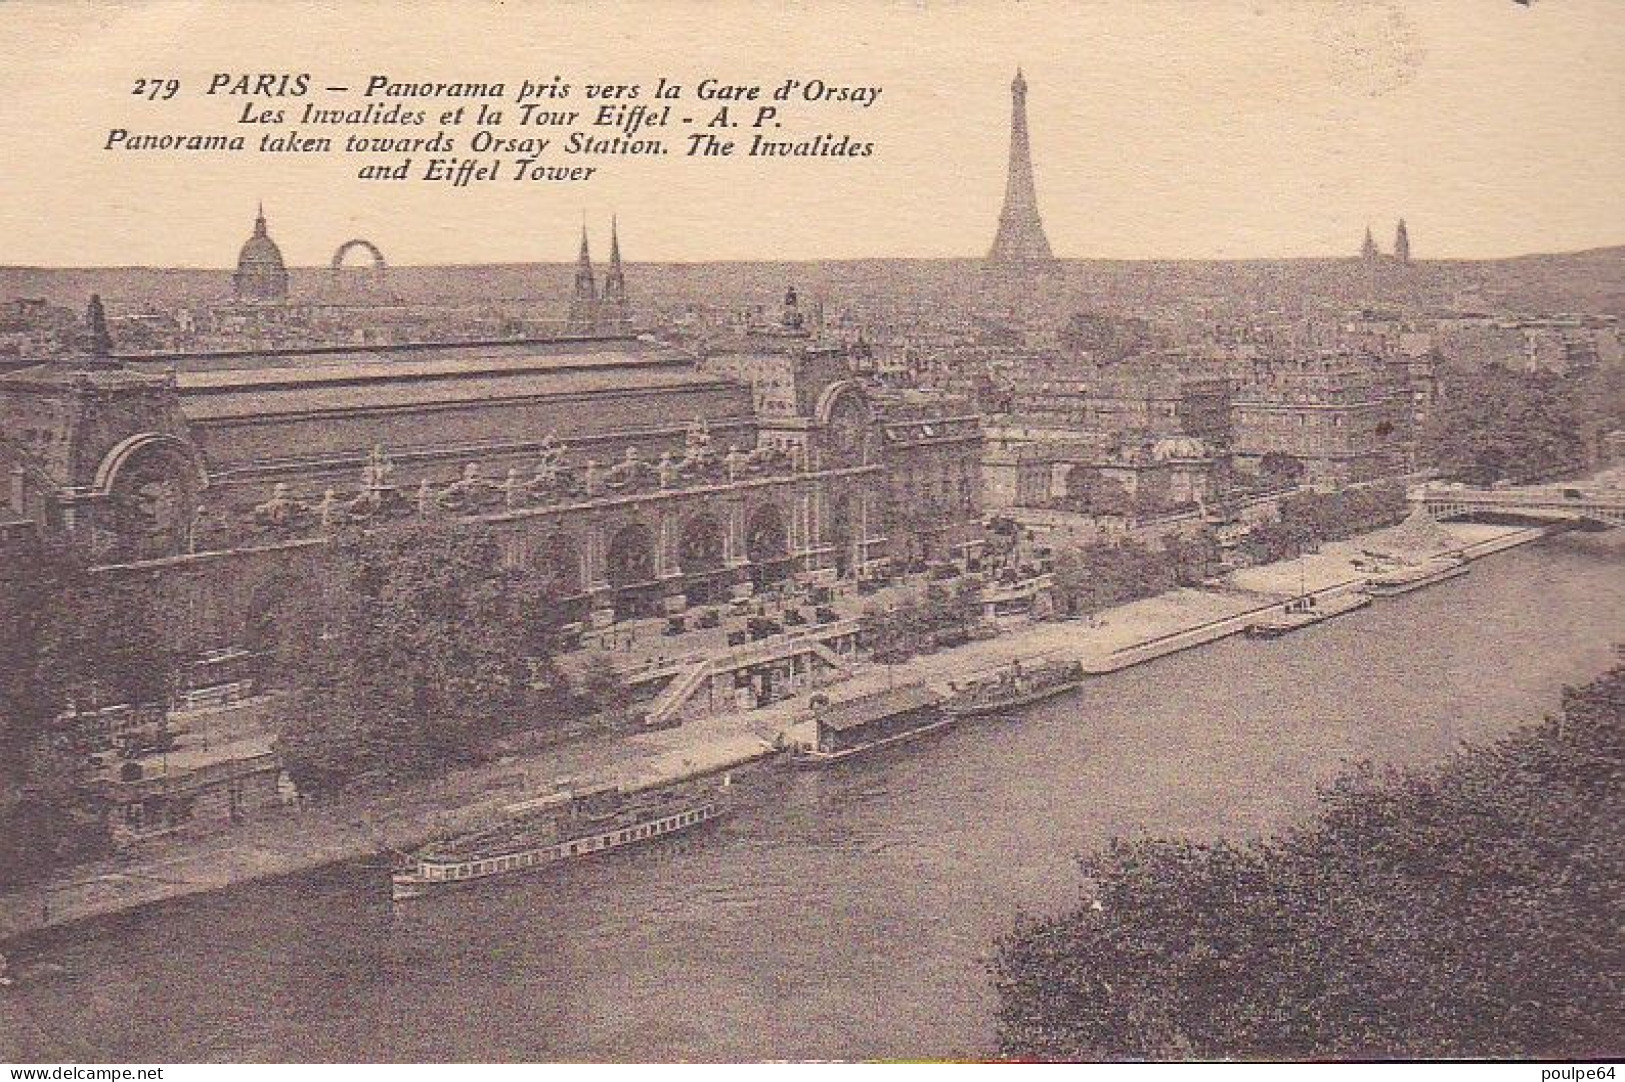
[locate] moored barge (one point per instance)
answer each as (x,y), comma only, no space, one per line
(565,826)
(871,722)
(1013,687)
(1303,611)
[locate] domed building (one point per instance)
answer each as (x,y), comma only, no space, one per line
(261,276)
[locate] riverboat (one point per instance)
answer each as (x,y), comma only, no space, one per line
(1301,612)
(1415,576)
(1015,687)
(871,722)
(561,827)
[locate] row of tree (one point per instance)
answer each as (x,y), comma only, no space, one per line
(417,650)
(1499,424)
(1099,575)
(1306,519)
(1469,911)
(69,640)
(420,651)
(920,621)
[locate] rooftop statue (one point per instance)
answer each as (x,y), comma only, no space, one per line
(328,509)
(376,473)
(628,472)
(281,509)
(470,492)
(549,461)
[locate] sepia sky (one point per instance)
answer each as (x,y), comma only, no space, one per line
(1160,128)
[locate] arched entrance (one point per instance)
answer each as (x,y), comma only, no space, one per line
(152,484)
(700,555)
(630,565)
(843,411)
(556,562)
(767,546)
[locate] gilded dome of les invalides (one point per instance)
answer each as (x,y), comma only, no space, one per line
(261,274)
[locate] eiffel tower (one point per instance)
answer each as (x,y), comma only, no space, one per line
(1021,235)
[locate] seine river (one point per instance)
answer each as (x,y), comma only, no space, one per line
(839,915)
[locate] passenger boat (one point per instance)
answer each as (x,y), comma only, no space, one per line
(1015,687)
(545,831)
(1415,576)
(870,722)
(1300,612)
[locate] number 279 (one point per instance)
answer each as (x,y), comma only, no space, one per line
(156,89)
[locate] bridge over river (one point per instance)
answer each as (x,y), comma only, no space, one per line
(1576,502)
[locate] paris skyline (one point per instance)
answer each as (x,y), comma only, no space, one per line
(1275,130)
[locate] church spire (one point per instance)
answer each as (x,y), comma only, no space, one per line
(1368,248)
(259,220)
(616,312)
(1402,243)
(584,302)
(585,285)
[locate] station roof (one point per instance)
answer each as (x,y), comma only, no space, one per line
(512,349)
(339,381)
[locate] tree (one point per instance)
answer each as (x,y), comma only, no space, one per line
(1308,518)
(1495,424)
(603,688)
(894,632)
(422,649)
(1102,574)
(1194,559)
(1468,911)
(68,637)
(1281,469)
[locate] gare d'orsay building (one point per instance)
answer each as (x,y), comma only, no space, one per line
(637,479)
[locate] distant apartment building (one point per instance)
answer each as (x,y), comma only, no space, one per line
(1131,478)
(1555,343)
(30,327)
(1150,394)
(1564,344)
(1340,414)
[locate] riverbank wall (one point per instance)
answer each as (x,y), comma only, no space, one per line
(1213,631)
(372,824)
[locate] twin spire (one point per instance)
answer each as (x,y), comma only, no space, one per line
(592,311)
(1402,245)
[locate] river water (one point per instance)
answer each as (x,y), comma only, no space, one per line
(845,914)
